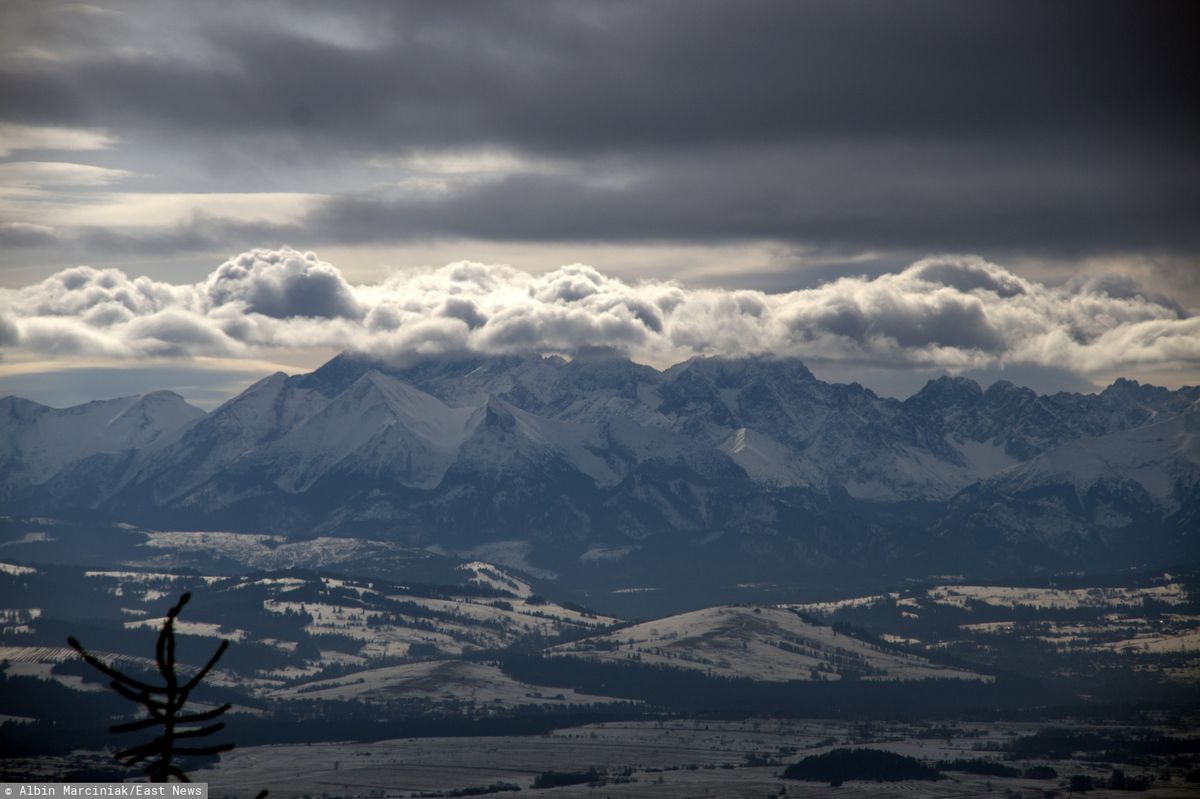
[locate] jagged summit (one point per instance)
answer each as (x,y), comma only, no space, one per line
(36,441)
(961,390)
(757,457)
(335,375)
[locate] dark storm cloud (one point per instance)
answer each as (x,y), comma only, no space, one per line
(916,199)
(949,322)
(968,276)
(882,195)
(1018,126)
(605,76)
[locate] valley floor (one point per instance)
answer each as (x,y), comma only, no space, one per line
(680,758)
(331,673)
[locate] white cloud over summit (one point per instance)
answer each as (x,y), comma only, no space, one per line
(948,312)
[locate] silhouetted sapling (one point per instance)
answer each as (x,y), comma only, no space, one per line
(164,704)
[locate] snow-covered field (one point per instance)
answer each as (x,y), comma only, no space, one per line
(674,759)
(487,575)
(1058,598)
(762,643)
(480,684)
(1002,596)
(271,552)
(313,623)
(15,569)
(450,625)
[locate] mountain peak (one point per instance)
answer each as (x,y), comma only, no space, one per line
(20,407)
(598,355)
(339,373)
(165,397)
(166,407)
(954,389)
(402,399)
(1008,390)
(1124,386)
(597,447)
(726,370)
(496,414)
(269,384)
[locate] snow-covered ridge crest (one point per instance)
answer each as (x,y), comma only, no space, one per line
(378,425)
(1162,458)
(36,440)
(602,454)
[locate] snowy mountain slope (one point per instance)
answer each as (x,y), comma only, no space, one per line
(505,439)
(786,427)
(1159,462)
(1135,491)
(261,414)
(459,381)
(377,425)
(36,441)
(1022,423)
(598,452)
(1162,459)
(592,387)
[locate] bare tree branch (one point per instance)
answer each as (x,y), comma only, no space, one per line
(166,713)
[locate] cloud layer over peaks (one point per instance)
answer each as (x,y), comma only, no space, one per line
(951,312)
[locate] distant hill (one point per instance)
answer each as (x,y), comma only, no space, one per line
(769,644)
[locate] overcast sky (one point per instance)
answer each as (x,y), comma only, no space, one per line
(890,191)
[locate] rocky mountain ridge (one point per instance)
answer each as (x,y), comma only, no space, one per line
(753,459)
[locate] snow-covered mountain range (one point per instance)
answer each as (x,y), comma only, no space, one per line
(602,462)
(36,441)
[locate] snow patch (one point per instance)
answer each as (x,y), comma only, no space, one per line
(14,569)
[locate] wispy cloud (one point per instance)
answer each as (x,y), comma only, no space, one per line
(43,174)
(17,137)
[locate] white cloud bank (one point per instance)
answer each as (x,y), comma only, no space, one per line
(949,312)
